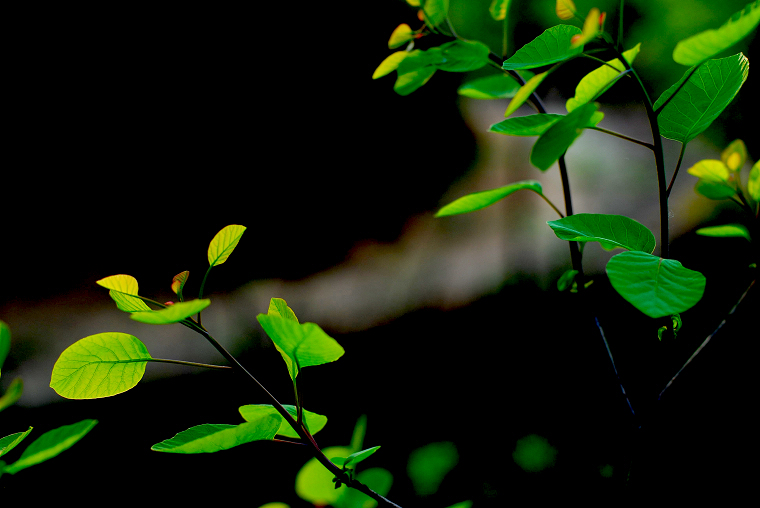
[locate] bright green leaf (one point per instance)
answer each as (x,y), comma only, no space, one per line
(657,287)
(478,200)
(100,365)
(223,243)
(400,36)
(278,307)
(354,458)
(416,69)
(12,394)
(703,97)
(389,65)
(124,291)
(428,465)
(463,56)
(376,478)
(734,155)
(726,231)
(559,137)
(171,314)
(5,342)
(314,482)
(435,11)
(524,92)
(210,438)
(590,29)
(530,125)
(552,46)
(612,231)
(599,80)
(498,9)
(753,185)
(709,43)
(8,443)
(314,422)
(50,444)
(499,86)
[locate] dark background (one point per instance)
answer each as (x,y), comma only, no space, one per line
(136,133)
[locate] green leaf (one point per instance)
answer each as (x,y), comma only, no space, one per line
(354,458)
(178,283)
(301,345)
(552,46)
(714,179)
(499,86)
(50,444)
(463,56)
(657,287)
(124,291)
(12,394)
(566,280)
(734,155)
(435,12)
(389,65)
(416,69)
(400,36)
(223,243)
(478,200)
(726,231)
(428,465)
(709,43)
(612,231)
(753,185)
(530,125)
(210,438)
(8,443)
(314,482)
(703,97)
(498,9)
(314,422)
(171,314)
(5,342)
(524,92)
(599,80)
(100,365)
(376,478)
(278,307)
(557,139)
(716,191)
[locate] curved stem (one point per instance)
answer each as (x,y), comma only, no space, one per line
(623,136)
(548,201)
(614,367)
(678,166)
(192,364)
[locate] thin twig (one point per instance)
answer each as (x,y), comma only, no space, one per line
(623,136)
(614,368)
(678,166)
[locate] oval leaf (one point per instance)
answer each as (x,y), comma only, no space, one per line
(223,243)
(124,291)
(100,365)
(500,86)
(612,231)
(726,231)
(171,314)
(753,185)
(657,287)
(599,80)
(463,56)
(400,36)
(178,282)
(709,43)
(559,137)
(565,9)
(314,422)
(389,65)
(416,69)
(703,97)
(210,438)
(482,199)
(8,443)
(530,125)
(50,444)
(552,46)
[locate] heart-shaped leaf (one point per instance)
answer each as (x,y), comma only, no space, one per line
(657,287)
(552,46)
(50,444)
(612,231)
(223,243)
(478,200)
(559,137)
(314,422)
(124,291)
(210,437)
(100,365)
(171,314)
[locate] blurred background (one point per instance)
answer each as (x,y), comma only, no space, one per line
(136,133)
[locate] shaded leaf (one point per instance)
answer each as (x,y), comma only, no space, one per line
(124,291)
(5,342)
(524,92)
(428,465)
(435,12)
(566,280)
(223,243)
(314,482)
(416,69)
(599,80)
(657,287)
(726,231)
(612,231)
(709,43)
(552,46)
(734,156)
(716,191)
(714,179)
(8,443)
(530,125)
(463,56)
(389,65)
(590,29)
(703,97)
(753,185)
(377,479)
(314,422)
(498,9)
(50,444)
(178,282)
(559,137)
(100,365)
(12,394)
(210,437)
(478,200)
(400,36)
(171,314)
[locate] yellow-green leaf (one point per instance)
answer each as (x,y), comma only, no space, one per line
(590,29)
(710,170)
(178,282)
(8,443)
(498,9)
(734,156)
(171,314)
(389,65)
(223,243)
(753,186)
(565,9)
(50,444)
(524,92)
(314,422)
(726,231)
(124,291)
(210,438)
(599,80)
(400,36)
(479,200)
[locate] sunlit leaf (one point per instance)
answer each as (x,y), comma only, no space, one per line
(12,394)
(590,29)
(314,482)
(735,155)
(726,231)
(223,243)
(100,365)
(709,43)
(5,342)
(416,69)
(714,180)
(657,287)
(171,314)
(390,64)
(565,9)
(413,3)
(50,444)
(124,291)
(210,437)
(702,98)
(559,137)
(278,307)
(753,185)
(612,231)
(552,46)
(463,56)
(524,92)
(478,200)
(377,479)
(400,36)
(178,282)
(314,422)
(354,458)
(428,465)
(435,12)
(8,443)
(599,80)
(498,9)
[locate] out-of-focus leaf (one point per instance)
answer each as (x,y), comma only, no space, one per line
(223,243)
(178,282)
(314,482)
(5,342)
(435,12)
(753,185)
(400,36)
(210,438)
(428,465)
(726,231)
(12,394)
(599,80)
(498,9)
(735,155)
(376,478)
(479,200)
(171,314)
(565,9)
(590,29)
(714,179)
(50,444)
(566,280)
(552,46)
(559,137)
(390,64)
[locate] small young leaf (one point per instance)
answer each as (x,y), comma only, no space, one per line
(5,342)
(552,46)
(565,9)
(498,9)
(709,43)
(178,283)
(400,36)
(51,444)
(354,458)
(734,156)
(210,438)
(100,365)
(172,314)
(314,422)
(390,64)
(223,243)
(524,92)
(479,200)
(612,231)
(463,56)
(599,80)
(12,394)
(559,137)
(753,185)
(567,280)
(703,97)
(8,443)
(124,291)
(726,231)
(657,287)
(590,29)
